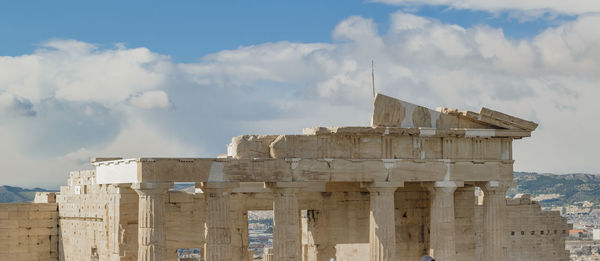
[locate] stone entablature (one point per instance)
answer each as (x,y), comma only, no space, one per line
(482,145)
(305,170)
(396,190)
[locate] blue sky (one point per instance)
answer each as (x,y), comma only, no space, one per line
(82,79)
(188,30)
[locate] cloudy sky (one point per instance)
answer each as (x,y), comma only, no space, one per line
(147,78)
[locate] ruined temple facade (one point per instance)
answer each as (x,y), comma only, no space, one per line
(397,190)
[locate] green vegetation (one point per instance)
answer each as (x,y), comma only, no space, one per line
(15,194)
(572,187)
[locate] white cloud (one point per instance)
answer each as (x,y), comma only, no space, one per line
(277,62)
(11,104)
(404,21)
(75,94)
(90,101)
(80,72)
(530,6)
(137,139)
(359,30)
(150,100)
(572,48)
(550,78)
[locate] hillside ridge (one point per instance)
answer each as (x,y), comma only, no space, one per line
(576,187)
(10,194)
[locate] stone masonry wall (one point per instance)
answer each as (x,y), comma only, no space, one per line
(28,231)
(412,221)
(339,228)
(97,222)
(532,234)
(100,222)
(184,222)
(464,212)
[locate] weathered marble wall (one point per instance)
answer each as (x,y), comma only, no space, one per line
(28,231)
(96,221)
(184,222)
(534,234)
(100,222)
(412,221)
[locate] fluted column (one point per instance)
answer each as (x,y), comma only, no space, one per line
(286,221)
(443,225)
(494,218)
(151,220)
(382,221)
(239,228)
(218,222)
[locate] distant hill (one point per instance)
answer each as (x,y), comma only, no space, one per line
(571,187)
(10,194)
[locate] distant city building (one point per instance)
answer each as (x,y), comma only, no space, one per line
(576,233)
(542,197)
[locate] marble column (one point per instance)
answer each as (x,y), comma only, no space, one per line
(151,220)
(286,221)
(218,222)
(239,228)
(442,229)
(494,218)
(382,221)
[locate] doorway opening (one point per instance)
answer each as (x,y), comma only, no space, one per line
(260,231)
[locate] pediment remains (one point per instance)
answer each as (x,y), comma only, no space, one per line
(391,112)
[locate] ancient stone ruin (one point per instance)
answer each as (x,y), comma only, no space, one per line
(397,190)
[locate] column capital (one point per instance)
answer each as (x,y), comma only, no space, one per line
(152,185)
(448,184)
(443,186)
(494,185)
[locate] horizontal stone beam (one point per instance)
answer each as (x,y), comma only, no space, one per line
(117,171)
(308,170)
(421,131)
